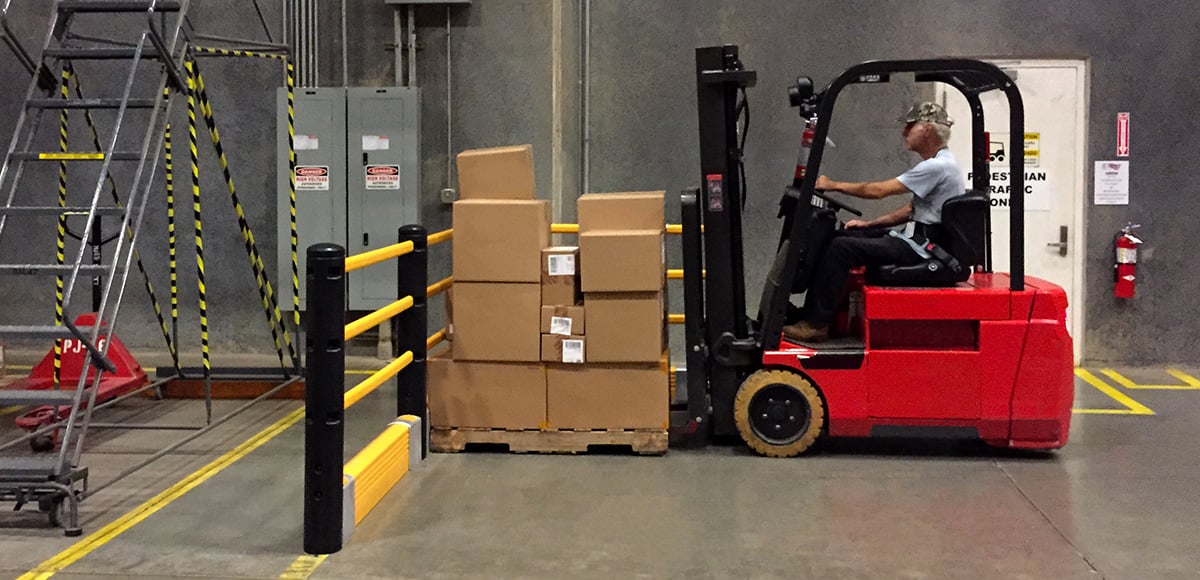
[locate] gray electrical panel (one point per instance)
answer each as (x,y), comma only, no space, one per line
(357,180)
(320,129)
(381,128)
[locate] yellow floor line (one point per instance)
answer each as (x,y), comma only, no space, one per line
(1132,407)
(107,533)
(1190,382)
(303,567)
(9,410)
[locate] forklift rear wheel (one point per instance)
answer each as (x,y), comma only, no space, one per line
(42,443)
(778,413)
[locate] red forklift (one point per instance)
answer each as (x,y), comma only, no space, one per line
(943,348)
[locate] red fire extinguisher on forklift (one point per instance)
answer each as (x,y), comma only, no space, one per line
(806,142)
(1125,265)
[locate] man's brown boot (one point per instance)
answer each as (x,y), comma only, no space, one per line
(803,331)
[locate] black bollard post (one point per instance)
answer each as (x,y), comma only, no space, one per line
(325,375)
(412,328)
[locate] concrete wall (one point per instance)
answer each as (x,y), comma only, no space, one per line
(641,123)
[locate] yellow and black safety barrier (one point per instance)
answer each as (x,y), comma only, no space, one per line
(335,501)
(266,291)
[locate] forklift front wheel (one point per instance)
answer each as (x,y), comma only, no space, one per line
(778,413)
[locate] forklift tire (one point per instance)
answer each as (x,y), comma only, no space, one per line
(41,444)
(778,413)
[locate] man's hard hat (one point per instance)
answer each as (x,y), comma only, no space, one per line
(927,112)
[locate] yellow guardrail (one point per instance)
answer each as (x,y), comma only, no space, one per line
(365,259)
(372,382)
(375,470)
(435,339)
(675,319)
(574,229)
(439,286)
(439,237)
(387,312)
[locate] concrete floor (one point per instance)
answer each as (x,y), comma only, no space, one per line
(1118,502)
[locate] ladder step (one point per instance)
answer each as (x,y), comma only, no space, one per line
(43,331)
(40,269)
(91,103)
(74,156)
(34,398)
(15,469)
(97,53)
(56,210)
(117,5)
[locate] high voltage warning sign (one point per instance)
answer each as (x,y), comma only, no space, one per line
(312,178)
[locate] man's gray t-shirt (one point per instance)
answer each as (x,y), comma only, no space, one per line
(933,181)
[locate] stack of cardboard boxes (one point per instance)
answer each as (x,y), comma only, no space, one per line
(622,275)
(550,338)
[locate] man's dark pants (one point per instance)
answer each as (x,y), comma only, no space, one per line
(846,252)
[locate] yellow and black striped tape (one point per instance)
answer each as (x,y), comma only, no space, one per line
(244,53)
(191,81)
(62,225)
(171,227)
(291,107)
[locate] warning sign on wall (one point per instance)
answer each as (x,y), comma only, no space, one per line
(312,178)
(383,176)
(1037,183)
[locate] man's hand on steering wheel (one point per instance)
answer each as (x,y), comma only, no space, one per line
(824,183)
(857,225)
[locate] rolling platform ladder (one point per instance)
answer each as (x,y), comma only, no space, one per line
(146,65)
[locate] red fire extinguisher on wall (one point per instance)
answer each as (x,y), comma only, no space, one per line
(1125,264)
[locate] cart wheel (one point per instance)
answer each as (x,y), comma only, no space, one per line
(778,413)
(42,443)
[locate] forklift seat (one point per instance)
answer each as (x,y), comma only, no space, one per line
(964,221)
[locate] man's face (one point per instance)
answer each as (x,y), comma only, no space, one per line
(914,135)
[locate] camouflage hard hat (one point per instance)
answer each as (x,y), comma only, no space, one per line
(927,112)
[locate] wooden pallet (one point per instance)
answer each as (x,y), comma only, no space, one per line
(642,442)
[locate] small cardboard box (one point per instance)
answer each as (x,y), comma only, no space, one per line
(622,261)
(563,349)
(560,276)
(625,327)
(496,173)
(595,396)
(500,241)
(496,322)
(564,320)
(486,394)
(640,210)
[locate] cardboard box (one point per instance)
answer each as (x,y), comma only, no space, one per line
(496,173)
(560,276)
(500,241)
(625,327)
(607,396)
(486,394)
(640,210)
(622,261)
(564,320)
(563,349)
(496,322)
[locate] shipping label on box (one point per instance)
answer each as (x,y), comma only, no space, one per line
(563,320)
(496,173)
(563,349)
(622,261)
(499,241)
(560,276)
(642,210)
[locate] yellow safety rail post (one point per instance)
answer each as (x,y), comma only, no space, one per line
(410,331)
(325,376)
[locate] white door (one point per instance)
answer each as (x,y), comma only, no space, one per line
(1055,97)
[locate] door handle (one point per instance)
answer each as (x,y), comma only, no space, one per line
(1061,244)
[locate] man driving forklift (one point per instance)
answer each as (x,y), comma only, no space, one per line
(933,181)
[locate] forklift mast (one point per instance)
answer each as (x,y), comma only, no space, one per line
(715,300)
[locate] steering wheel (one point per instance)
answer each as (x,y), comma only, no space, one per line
(837,205)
